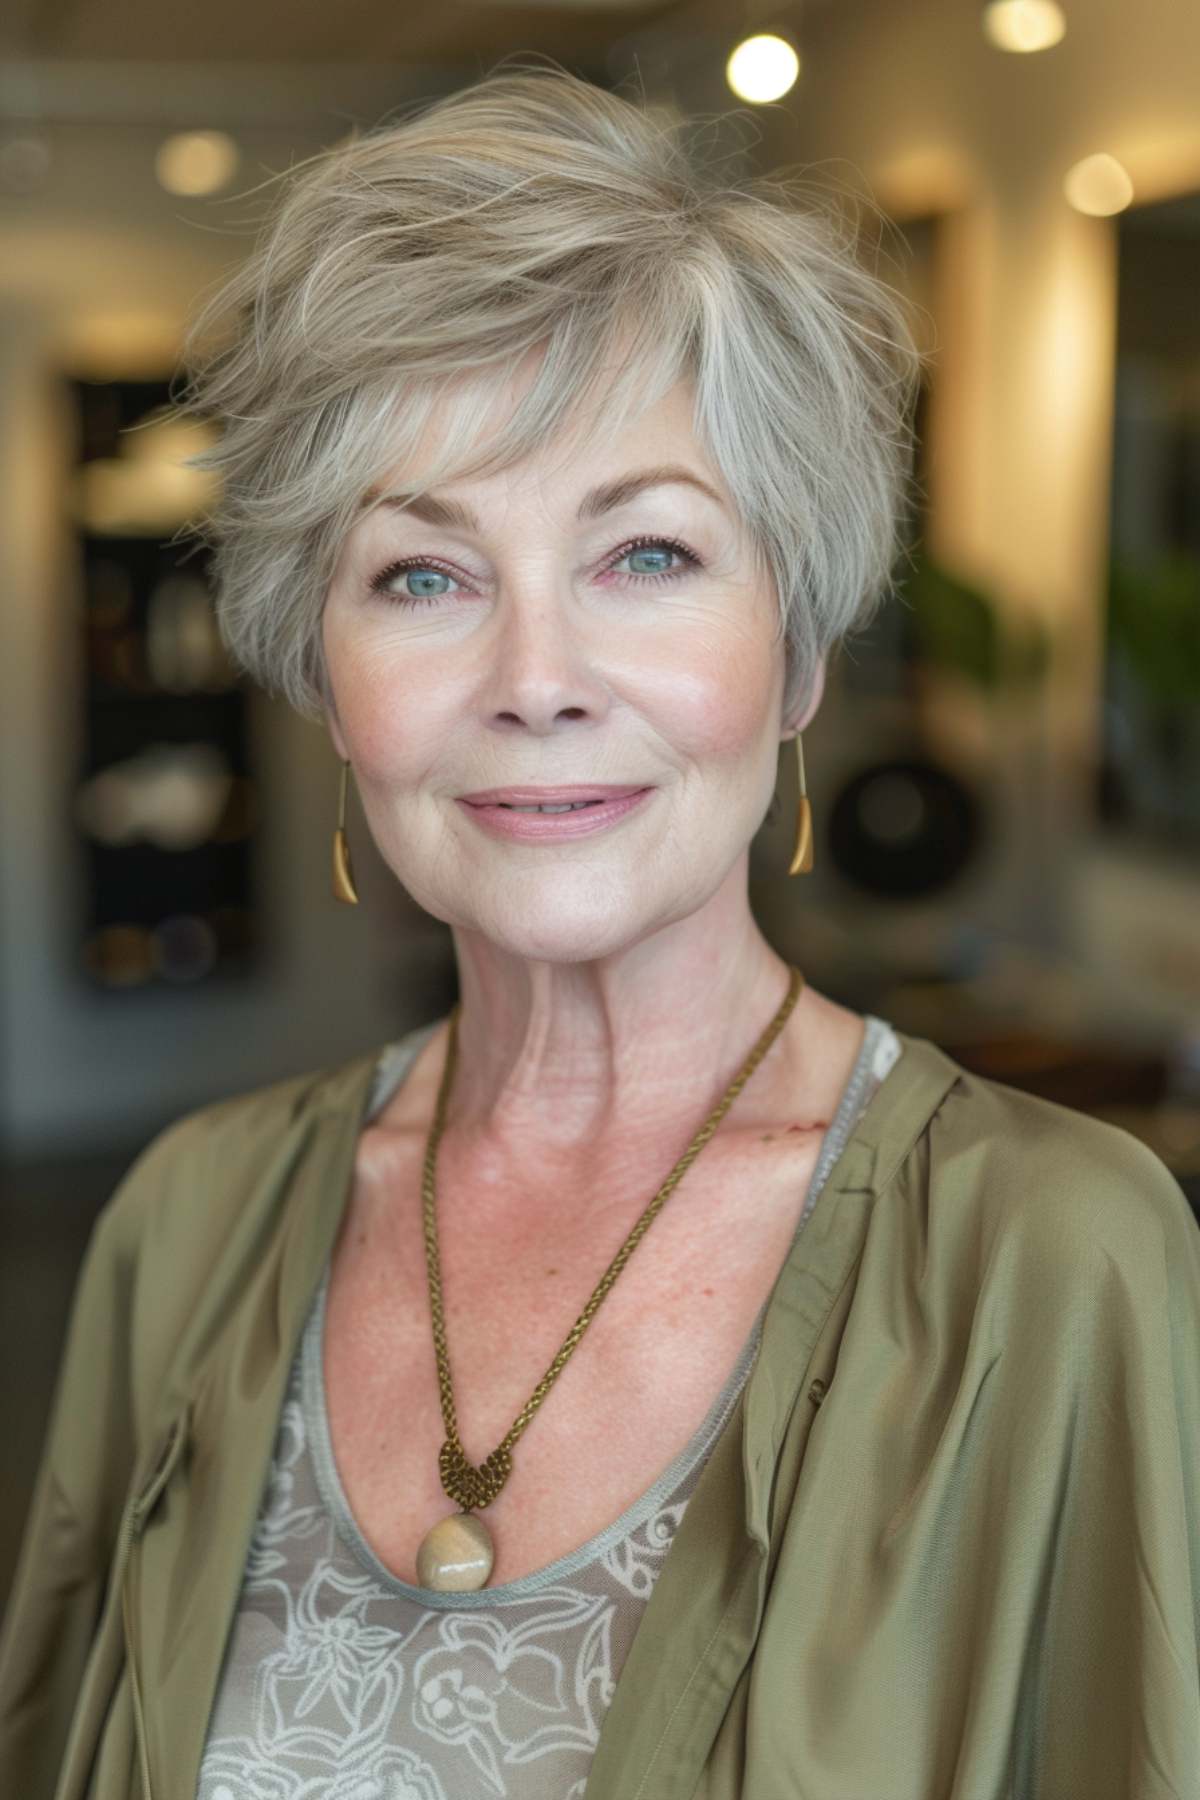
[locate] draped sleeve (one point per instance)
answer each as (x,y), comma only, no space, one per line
(989,1577)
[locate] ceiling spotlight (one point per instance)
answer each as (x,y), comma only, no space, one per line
(196,162)
(1098,185)
(762,68)
(1024,25)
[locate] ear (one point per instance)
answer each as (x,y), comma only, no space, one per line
(796,721)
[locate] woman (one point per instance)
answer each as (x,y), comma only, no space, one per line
(653,1379)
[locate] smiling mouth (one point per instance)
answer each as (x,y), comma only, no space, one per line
(554,818)
(561,807)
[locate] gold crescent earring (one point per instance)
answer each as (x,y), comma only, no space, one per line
(343,879)
(802,855)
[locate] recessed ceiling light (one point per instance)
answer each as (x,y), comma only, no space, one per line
(1024,25)
(762,68)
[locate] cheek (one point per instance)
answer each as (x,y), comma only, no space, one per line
(720,701)
(385,718)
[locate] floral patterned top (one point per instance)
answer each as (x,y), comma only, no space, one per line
(341,1682)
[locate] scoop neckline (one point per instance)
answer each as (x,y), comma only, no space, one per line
(316,1415)
(333,1494)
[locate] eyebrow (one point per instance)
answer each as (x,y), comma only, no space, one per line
(454,515)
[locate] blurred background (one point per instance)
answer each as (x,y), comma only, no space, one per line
(1005,770)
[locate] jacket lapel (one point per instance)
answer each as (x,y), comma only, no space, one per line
(701,1621)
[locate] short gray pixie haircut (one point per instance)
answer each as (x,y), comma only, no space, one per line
(534,210)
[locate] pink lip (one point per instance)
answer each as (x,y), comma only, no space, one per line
(534,827)
(549,796)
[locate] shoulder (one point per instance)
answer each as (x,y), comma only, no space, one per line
(200,1168)
(1042,1267)
(196,1218)
(1030,1176)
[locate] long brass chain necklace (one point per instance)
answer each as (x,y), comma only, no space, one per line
(457,1554)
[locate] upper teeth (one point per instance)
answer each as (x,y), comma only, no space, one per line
(571,806)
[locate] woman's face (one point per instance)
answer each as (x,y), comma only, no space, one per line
(551,642)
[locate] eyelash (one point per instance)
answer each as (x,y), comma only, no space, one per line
(379,583)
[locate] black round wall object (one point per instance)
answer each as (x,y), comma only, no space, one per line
(905,829)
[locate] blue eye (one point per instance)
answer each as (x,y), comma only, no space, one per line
(653,558)
(423,582)
(422,572)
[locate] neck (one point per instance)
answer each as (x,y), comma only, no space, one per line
(557,1060)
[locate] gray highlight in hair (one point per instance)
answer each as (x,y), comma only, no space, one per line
(419,261)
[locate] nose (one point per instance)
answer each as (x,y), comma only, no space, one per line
(544,661)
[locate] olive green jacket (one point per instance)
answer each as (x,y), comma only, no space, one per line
(947,1546)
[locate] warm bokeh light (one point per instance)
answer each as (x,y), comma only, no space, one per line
(117,343)
(146,490)
(1024,25)
(196,162)
(762,68)
(1098,185)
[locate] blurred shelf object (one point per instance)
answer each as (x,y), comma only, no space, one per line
(1013,1013)
(165,804)
(1135,1086)
(1086,1076)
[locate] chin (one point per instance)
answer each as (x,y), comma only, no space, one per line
(558,934)
(560,946)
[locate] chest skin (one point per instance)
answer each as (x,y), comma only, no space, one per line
(518,1267)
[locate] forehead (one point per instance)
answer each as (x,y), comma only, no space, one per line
(588,469)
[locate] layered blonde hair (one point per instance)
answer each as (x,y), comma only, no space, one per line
(417,262)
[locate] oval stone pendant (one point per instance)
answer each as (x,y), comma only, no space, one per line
(456,1554)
